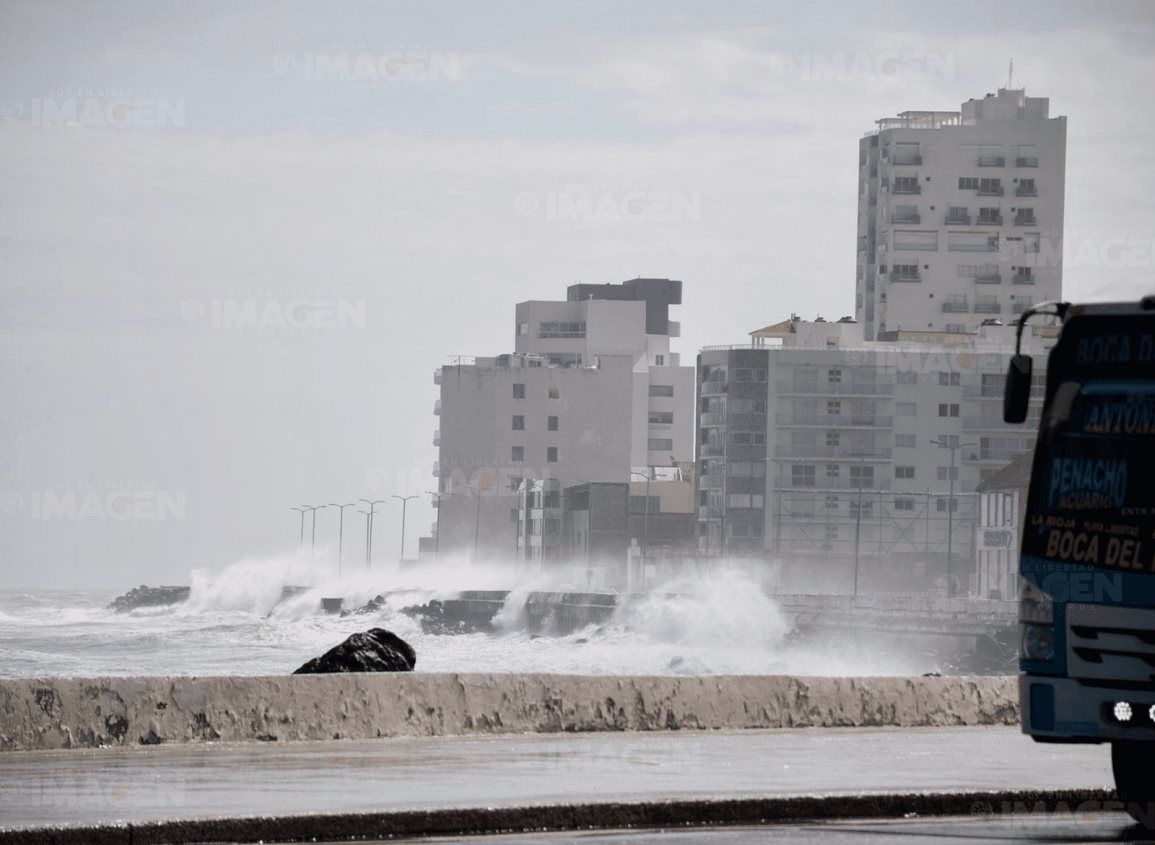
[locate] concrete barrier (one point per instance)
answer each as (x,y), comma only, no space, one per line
(90,712)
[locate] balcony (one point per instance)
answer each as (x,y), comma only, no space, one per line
(810,388)
(908,161)
(906,188)
(1024,279)
(988,307)
(711,450)
(848,485)
(989,279)
(712,419)
(437,469)
(437,376)
(990,220)
(1028,161)
(1025,218)
(830,452)
(437,437)
(713,387)
(958,220)
(991,191)
(1026,191)
(906,277)
(906,218)
(992,161)
(674,328)
(790,420)
(983,391)
(712,482)
(955,306)
(437,407)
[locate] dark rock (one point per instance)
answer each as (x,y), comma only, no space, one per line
(145,596)
(375,650)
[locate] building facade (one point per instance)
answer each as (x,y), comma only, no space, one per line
(851,463)
(591,392)
(960,215)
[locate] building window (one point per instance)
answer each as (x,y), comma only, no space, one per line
(554,392)
(832,471)
(551,454)
(802,475)
(518,391)
(759,406)
(660,444)
(906,377)
(523,328)
(517,454)
(948,379)
(638,504)
(942,473)
(861,476)
(518,422)
(759,375)
(514,483)
(659,360)
(904,472)
(832,503)
(551,423)
(834,376)
(833,438)
(905,409)
(904,504)
(904,441)
(940,504)
(968,183)
(834,407)
(661,417)
(661,390)
(948,410)
(556,329)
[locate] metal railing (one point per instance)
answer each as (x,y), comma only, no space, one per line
(905,218)
(907,189)
(992,161)
(787,388)
(958,220)
(1026,161)
(955,306)
(991,191)
(826,452)
(990,220)
(1026,191)
(1024,279)
(988,308)
(989,279)
(1022,219)
(833,420)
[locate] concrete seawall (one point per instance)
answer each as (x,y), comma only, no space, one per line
(90,712)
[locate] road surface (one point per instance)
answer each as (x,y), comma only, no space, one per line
(270,779)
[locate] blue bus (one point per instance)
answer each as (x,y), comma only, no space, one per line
(1087,606)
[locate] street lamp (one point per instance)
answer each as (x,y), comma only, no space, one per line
(404,506)
(313,537)
(301,511)
(950,507)
(368,515)
(648,475)
(369,541)
(476,521)
(341,532)
(437,536)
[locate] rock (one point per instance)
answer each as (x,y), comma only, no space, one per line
(145,596)
(375,650)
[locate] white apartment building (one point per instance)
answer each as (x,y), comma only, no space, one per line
(592,392)
(960,215)
(852,461)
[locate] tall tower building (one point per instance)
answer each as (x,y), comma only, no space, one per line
(960,215)
(591,393)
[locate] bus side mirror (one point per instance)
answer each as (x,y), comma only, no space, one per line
(1018,389)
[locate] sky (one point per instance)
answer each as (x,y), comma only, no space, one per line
(236,239)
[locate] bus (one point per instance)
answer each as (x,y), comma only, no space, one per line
(1087,606)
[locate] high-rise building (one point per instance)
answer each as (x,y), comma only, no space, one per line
(592,392)
(960,215)
(853,463)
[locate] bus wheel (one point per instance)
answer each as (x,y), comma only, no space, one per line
(1135,779)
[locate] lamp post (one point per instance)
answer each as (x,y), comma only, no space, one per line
(367,517)
(437,535)
(648,475)
(950,507)
(301,511)
(861,482)
(341,532)
(313,535)
(373,503)
(476,521)
(404,506)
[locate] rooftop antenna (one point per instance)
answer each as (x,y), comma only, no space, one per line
(1011,74)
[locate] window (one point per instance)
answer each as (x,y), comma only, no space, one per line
(759,375)
(861,476)
(959,215)
(948,410)
(904,472)
(518,422)
(514,483)
(551,423)
(989,215)
(833,438)
(759,406)
(991,187)
(518,391)
(659,360)
(906,184)
(523,328)
(904,441)
(834,376)
(832,503)
(905,273)
(554,392)
(744,500)
(802,475)
(660,444)
(942,473)
(940,504)
(638,504)
(906,378)
(662,417)
(555,329)
(948,439)
(661,390)
(831,532)
(833,471)
(551,454)
(834,407)
(949,379)
(517,454)
(905,409)
(904,504)
(747,438)
(968,183)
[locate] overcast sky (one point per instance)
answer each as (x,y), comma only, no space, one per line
(176,176)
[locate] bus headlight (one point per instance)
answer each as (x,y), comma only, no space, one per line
(1122,712)
(1038,642)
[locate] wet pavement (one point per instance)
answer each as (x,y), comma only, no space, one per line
(213,780)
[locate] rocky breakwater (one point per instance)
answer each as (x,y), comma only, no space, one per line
(375,650)
(145,596)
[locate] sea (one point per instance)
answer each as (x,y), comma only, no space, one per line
(235,624)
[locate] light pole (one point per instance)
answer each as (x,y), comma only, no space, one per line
(372,515)
(950,508)
(301,511)
(313,537)
(341,532)
(648,475)
(861,482)
(367,517)
(476,521)
(437,535)
(404,506)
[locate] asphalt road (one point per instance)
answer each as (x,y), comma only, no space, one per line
(213,780)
